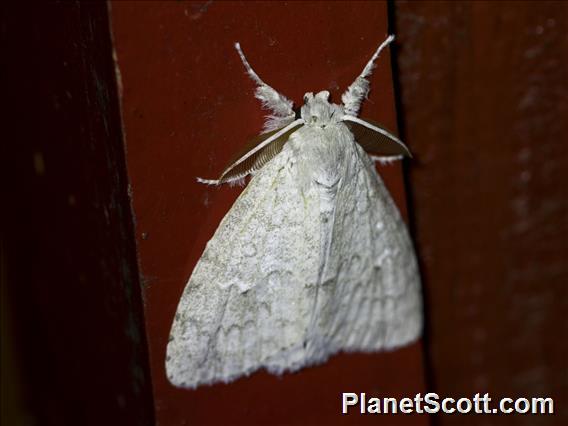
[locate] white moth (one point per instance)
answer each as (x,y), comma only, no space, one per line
(312,259)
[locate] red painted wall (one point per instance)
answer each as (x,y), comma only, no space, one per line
(187,106)
(484,95)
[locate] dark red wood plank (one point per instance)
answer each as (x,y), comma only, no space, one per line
(71,268)
(485,102)
(187,107)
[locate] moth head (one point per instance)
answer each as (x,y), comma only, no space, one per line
(318,111)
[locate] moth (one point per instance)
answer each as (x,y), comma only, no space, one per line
(312,259)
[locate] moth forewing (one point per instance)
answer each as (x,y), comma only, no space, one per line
(301,267)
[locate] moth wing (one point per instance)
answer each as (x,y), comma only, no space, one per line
(257,152)
(374,300)
(376,139)
(246,303)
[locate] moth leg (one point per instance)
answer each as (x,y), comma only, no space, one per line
(281,108)
(359,89)
(389,159)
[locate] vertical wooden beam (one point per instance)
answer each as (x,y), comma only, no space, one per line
(72,277)
(484,102)
(187,107)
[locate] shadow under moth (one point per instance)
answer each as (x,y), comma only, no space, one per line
(312,259)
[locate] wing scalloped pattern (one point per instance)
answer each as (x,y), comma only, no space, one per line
(309,261)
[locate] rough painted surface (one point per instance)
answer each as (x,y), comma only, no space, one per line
(188,107)
(72,275)
(485,106)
